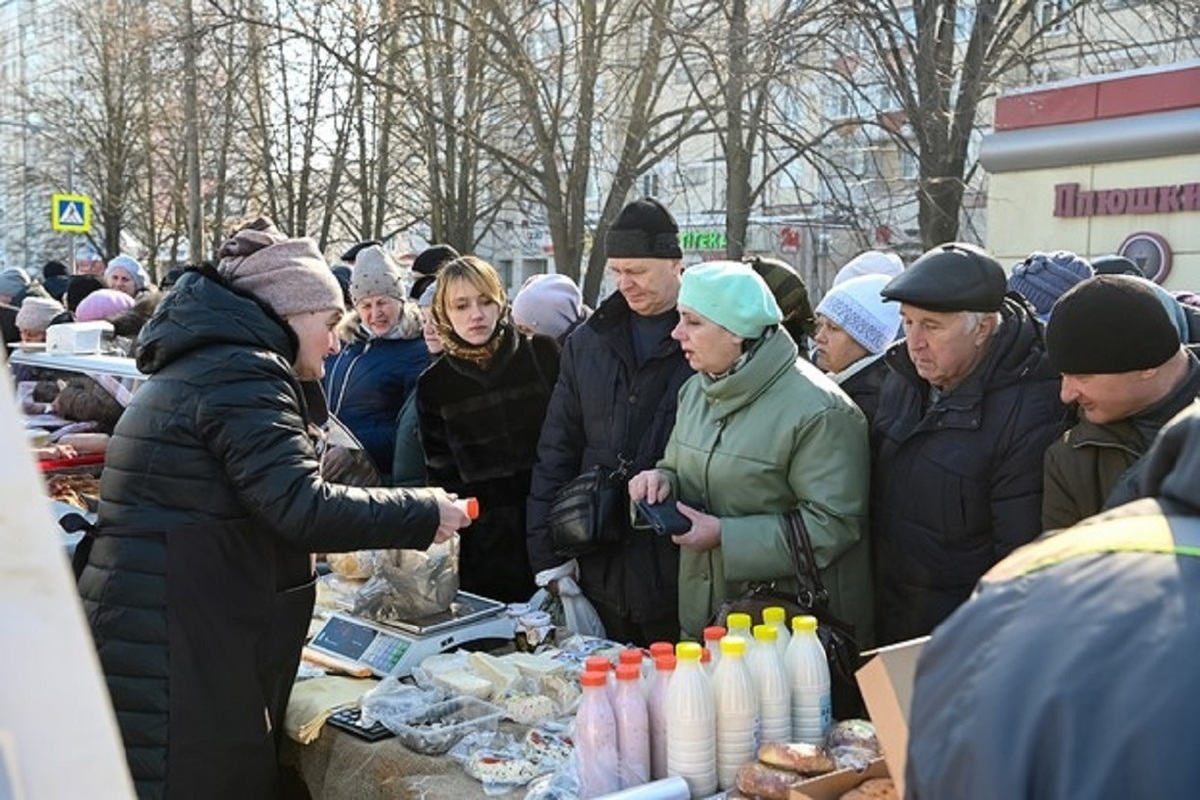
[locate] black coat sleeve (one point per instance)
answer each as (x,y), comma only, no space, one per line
(255,428)
(560,451)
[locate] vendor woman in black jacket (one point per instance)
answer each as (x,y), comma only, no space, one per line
(198,586)
(480,409)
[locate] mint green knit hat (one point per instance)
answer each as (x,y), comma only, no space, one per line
(732,295)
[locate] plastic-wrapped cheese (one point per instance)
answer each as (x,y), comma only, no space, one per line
(461,681)
(532,666)
(501,674)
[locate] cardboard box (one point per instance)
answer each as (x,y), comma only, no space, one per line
(77,337)
(886,681)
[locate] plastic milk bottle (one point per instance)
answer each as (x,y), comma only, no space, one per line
(691,723)
(771,682)
(776,617)
(808,673)
(664,668)
(737,711)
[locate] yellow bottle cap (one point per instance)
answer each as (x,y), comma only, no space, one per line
(774,614)
(765,633)
(804,623)
(733,646)
(688,651)
(738,620)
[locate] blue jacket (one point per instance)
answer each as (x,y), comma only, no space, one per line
(367,384)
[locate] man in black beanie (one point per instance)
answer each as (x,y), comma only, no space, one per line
(614,405)
(426,265)
(1126,371)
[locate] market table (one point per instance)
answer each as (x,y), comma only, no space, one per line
(340,766)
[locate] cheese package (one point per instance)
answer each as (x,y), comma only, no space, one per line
(461,681)
(532,666)
(500,673)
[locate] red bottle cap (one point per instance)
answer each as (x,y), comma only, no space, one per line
(633,657)
(593,679)
(714,633)
(629,672)
(661,649)
(597,664)
(665,662)
(471,507)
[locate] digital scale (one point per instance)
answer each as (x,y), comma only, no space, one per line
(397,647)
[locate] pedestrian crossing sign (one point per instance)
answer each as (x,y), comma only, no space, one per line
(71,213)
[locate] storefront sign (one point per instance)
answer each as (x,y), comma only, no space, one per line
(702,240)
(1070,201)
(1150,252)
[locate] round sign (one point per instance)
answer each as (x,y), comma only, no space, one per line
(1150,252)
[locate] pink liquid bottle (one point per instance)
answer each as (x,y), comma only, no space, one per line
(596,739)
(633,727)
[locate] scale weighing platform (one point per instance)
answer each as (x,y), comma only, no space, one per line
(396,648)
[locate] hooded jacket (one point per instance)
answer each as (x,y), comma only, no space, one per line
(1066,674)
(957,485)
(600,393)
(199,587)
(773,436)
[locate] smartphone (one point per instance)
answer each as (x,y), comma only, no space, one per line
(664,517)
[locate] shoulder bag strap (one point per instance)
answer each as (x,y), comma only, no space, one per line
(812,590)
(640,421)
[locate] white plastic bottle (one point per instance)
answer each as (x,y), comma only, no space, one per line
(603,665)
(713,635)
(776,617)
(637,658)
(739,625)
(633,727)
(656,708)
(596,739)
(808,674)
(771,682)
(737,711)
(691,723)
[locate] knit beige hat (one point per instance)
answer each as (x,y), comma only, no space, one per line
(36,312)
(375,274)
(289,275)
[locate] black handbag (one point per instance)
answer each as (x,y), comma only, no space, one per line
(581,515)
(812,599)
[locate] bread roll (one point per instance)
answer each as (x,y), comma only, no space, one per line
(768,783)
(806,759)
(873,789)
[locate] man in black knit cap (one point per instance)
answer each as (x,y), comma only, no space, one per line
(614,405)
(1123,366)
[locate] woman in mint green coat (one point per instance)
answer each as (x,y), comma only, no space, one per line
(758,433)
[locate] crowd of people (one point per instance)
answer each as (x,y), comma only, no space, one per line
(924,422)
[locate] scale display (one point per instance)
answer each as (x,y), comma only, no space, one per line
(398,646)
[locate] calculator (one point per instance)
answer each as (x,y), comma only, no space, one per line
(347,719)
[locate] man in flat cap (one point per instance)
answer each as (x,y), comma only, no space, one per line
(614,405)
(965,416)
(1127,373)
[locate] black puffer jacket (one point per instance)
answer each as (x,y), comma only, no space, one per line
(600,390)
(957,486)
(198,589)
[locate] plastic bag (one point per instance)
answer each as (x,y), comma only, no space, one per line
(569,610)
(411,584)
(392,699)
